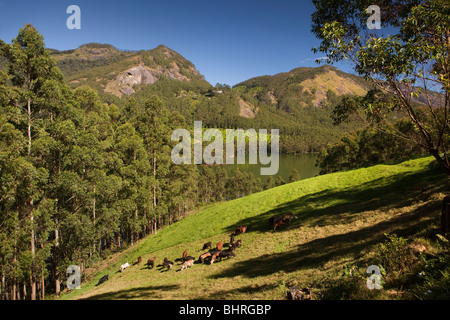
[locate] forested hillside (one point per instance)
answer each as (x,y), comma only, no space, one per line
(299,103)
(80,177)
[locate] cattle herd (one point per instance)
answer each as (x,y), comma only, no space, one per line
(214,254)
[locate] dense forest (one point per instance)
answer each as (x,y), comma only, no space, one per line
(298,103)
(81,178)
(368,147)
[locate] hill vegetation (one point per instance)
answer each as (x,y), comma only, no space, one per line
(82,178)
(298,103)
(346,222)
(87,179)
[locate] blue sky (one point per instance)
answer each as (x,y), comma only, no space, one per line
(229,41)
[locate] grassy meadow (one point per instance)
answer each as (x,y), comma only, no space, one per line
(342,219)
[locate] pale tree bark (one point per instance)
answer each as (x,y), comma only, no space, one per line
(32,240)
(57,281)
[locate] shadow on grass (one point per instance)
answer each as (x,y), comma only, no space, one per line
(316,253)
(331,206)
(150,292)
(250,290)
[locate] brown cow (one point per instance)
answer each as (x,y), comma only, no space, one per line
(280,220)
(139,260)
(204,256)
(215,256)
(219,245)
(151,262)
(240,229)
(185,254)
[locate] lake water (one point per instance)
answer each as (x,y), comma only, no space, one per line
(305,165)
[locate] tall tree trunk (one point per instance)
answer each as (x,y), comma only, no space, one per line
(32,240)
(131,238)
(93,217)
(136,219)
(24,290)
(29,126)
(32,275)
(154,176)
(56,260)
(13,290)
(4,292)
(42,286)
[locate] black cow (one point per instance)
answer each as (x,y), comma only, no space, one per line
(167,264)
(226,254)
(103,279)
(207,246)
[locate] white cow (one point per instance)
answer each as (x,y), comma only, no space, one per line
(188,263)
(124,266)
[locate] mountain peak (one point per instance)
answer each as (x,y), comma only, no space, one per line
(94,45)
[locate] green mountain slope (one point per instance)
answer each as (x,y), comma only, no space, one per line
(303,87)
(116,72)
(298,103)
(341,216)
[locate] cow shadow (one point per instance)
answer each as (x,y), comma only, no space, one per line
(150,292)
(249,290)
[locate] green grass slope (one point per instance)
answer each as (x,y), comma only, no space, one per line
(341,216)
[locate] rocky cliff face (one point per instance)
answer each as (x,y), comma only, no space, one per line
(123,83)
(119,72)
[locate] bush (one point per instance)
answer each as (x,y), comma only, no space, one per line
(395,255)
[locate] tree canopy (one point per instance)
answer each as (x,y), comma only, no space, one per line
(409,66)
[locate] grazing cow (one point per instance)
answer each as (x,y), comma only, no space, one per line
(280,220)
(226,254)
(232,243)
(103,279)
(185,254)
(235,245)
(187,263)
(214,256)
(167,264)
(124,266)
(187,258)
(219,245)
(139,260)
(240,229)
(151,262)
(204,256)
(207,246)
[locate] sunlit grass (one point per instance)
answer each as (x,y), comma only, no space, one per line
(341,217)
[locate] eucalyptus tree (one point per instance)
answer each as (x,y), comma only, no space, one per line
(408,65)
(35,95)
